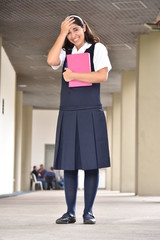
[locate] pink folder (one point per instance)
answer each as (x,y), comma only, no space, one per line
(79,62)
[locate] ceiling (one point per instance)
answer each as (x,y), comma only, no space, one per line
(29,28)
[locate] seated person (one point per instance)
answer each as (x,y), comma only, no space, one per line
(61,182)
(41,175)
(35,171)
(51,179)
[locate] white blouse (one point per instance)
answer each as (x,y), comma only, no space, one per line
(100,58)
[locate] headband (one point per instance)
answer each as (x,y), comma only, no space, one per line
(75,16)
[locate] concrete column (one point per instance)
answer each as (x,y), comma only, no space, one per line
(109,128)
(116,127)
(148,115)
(26,148)
(18,141)
(128,119)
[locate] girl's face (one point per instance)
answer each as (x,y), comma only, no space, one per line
(76,35)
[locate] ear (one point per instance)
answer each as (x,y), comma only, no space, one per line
(84,27)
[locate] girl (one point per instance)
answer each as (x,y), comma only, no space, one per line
(81,138)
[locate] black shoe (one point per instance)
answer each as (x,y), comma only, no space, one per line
(88,218)
(66,218)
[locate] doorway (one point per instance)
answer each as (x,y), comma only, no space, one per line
(49,159)
(49,156)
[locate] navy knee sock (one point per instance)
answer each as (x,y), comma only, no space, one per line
(70,187)
(90,188)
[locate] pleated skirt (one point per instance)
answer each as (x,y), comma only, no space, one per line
(81,140)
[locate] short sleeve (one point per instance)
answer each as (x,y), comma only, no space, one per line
(101,59)
(62,57)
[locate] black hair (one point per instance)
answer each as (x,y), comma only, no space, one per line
(89,35)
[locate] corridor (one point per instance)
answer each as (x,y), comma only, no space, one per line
(119,216)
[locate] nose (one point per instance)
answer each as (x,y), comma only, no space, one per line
(72,35)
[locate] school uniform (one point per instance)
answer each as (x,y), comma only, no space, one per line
(81,137)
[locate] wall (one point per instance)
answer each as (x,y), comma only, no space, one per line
(0,67)
(44,131)
(7,124)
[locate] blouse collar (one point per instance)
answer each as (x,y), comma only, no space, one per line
(82,49)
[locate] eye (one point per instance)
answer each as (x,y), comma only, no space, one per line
(75,29)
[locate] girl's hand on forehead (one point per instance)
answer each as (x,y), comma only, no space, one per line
(66,24)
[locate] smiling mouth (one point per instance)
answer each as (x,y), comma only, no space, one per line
(76,39)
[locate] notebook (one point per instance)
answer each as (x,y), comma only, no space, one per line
(79,62)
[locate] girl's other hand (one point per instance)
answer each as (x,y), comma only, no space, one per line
(67,75)
(66,24)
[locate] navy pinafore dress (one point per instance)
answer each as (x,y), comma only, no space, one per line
(81,137)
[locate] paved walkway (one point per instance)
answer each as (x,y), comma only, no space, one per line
(119,216)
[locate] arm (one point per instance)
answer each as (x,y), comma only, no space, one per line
(92,77)
(53,56)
